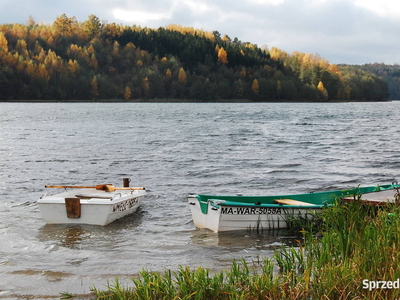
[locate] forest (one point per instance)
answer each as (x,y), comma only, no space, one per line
(390,73)
(96,60)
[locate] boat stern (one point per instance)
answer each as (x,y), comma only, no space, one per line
(89,206)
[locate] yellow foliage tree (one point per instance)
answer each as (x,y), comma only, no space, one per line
(334,69)
(115,51)
(65,26)
(182,76)
(320,86)
(92,26)
(255,87)
(3,42)
(21,46)
(276,53)
(31,68)
(43,73)
(307,59)
(168,73)
(128,93)
(322,89)
(91,49)
(73,66)
(222,56)
(226,38)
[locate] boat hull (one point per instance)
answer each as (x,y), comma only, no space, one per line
(226,213)
(228,218)
(377,198)
(95,207)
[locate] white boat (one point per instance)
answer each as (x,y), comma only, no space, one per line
(93,205)
(225,213)
(377,198)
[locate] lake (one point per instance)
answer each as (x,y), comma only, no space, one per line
(173,149)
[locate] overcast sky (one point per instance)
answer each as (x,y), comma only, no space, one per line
(342,31)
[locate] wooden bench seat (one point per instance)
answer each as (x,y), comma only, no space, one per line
(293,202)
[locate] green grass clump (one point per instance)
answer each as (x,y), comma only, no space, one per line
(356,242)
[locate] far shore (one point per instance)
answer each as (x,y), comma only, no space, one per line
(180,101)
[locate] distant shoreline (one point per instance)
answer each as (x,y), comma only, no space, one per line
(182,101)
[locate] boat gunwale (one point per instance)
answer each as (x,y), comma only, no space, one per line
(272,205)
(59,198)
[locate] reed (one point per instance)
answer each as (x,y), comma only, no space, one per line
(355,243)
(309,221)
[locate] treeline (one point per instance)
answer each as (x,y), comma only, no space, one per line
(390,73)
(71,60)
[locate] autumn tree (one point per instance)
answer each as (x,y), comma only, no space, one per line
(73,67)
(276,53)
(3,43)
(182,76)
(322,89)
(92,26)
(127,93)
(168,74)
(226,38)
(111,31)
(65,26)
(30,21)
(222,56)
(43,73)
(255,87)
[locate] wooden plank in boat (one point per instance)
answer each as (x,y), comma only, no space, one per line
(293,202)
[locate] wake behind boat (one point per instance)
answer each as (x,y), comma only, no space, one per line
(225,213)
(93,205)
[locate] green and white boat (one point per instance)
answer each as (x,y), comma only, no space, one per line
(226,213)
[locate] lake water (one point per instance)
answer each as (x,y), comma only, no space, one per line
(173,149)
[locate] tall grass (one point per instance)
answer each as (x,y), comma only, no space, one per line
(356,242)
